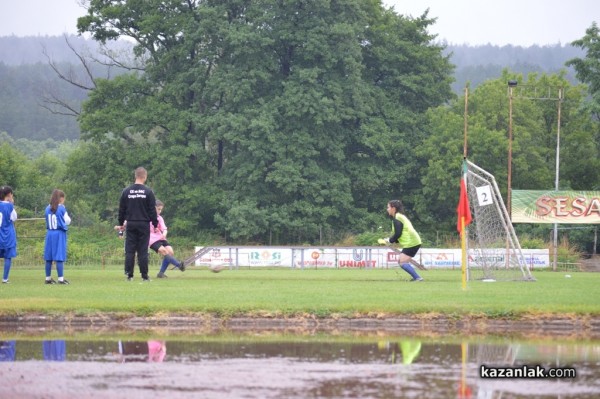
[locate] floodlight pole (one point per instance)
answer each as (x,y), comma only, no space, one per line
(511,85)
(556,186)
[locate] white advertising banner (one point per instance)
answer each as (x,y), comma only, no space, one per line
(440,258)
(533,258)
(346,257)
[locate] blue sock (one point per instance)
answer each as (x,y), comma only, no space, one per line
(176,262)
(173,261)
(410,270)
(7,264)
(60,267)
(48,268)
(165,264)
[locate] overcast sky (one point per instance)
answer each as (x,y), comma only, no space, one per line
(474,22)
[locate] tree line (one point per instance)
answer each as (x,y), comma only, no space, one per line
(279,123)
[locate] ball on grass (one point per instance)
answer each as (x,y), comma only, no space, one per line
(215,269)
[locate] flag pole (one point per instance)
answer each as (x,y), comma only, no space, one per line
(463,239)
(466,121)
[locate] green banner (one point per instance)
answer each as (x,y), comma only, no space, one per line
(537,206)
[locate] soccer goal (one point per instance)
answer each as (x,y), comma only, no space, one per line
(494,252)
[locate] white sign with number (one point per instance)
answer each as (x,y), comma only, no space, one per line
(484,196)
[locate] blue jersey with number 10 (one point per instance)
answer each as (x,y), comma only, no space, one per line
(55,248)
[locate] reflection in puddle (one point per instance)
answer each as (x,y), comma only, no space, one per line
(294,367)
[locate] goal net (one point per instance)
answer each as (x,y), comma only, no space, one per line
(494,251)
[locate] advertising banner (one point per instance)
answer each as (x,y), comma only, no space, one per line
(536,206)
(269,256)
(347,257)
(440,258)
(533,258)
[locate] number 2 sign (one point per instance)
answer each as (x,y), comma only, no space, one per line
(484,196)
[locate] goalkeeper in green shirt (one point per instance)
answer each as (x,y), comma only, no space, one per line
(404,234)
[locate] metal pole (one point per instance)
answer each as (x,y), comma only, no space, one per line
(510,138)
(556,186)
(511,84)
(466,123)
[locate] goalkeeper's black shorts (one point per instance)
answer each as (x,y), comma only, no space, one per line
(412,251)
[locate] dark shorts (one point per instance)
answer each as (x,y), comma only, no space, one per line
(412,251)
(158,244)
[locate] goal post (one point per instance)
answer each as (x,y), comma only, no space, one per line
(494,251)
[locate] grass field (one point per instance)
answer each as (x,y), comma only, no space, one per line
(288,292)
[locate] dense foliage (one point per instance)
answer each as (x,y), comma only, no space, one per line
(265,119)
(275,122)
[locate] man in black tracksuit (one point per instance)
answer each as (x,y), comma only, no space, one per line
(137,207)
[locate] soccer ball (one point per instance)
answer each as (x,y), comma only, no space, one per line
(215,268)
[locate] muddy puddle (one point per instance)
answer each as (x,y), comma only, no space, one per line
(261,366)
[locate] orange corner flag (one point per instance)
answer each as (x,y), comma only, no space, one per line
(463,209)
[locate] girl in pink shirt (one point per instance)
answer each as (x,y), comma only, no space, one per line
(159,244)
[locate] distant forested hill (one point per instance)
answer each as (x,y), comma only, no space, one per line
(476,64)
(26,78)
(27,81)
(16,51)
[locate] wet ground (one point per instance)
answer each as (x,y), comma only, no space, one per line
(265,379)
(263,365)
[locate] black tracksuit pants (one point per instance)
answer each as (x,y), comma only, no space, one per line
(136,242)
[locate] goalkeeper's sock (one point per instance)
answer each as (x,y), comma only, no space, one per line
(410,270)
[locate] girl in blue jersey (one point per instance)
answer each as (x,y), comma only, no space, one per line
(8,236)
(55,248)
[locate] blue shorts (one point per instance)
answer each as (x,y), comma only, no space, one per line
(8,253)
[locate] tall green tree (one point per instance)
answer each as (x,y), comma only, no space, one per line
(280,118)
(12,164)
(588,68)
(588,71)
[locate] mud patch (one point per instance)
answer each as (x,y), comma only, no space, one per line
(568,326)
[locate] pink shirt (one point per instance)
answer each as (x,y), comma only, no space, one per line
(157,236)
(157,351)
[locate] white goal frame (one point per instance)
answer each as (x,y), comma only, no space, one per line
(494,252)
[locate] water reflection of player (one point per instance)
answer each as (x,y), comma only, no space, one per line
(8,350)
(55,350)
(138,351)
(408,349)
